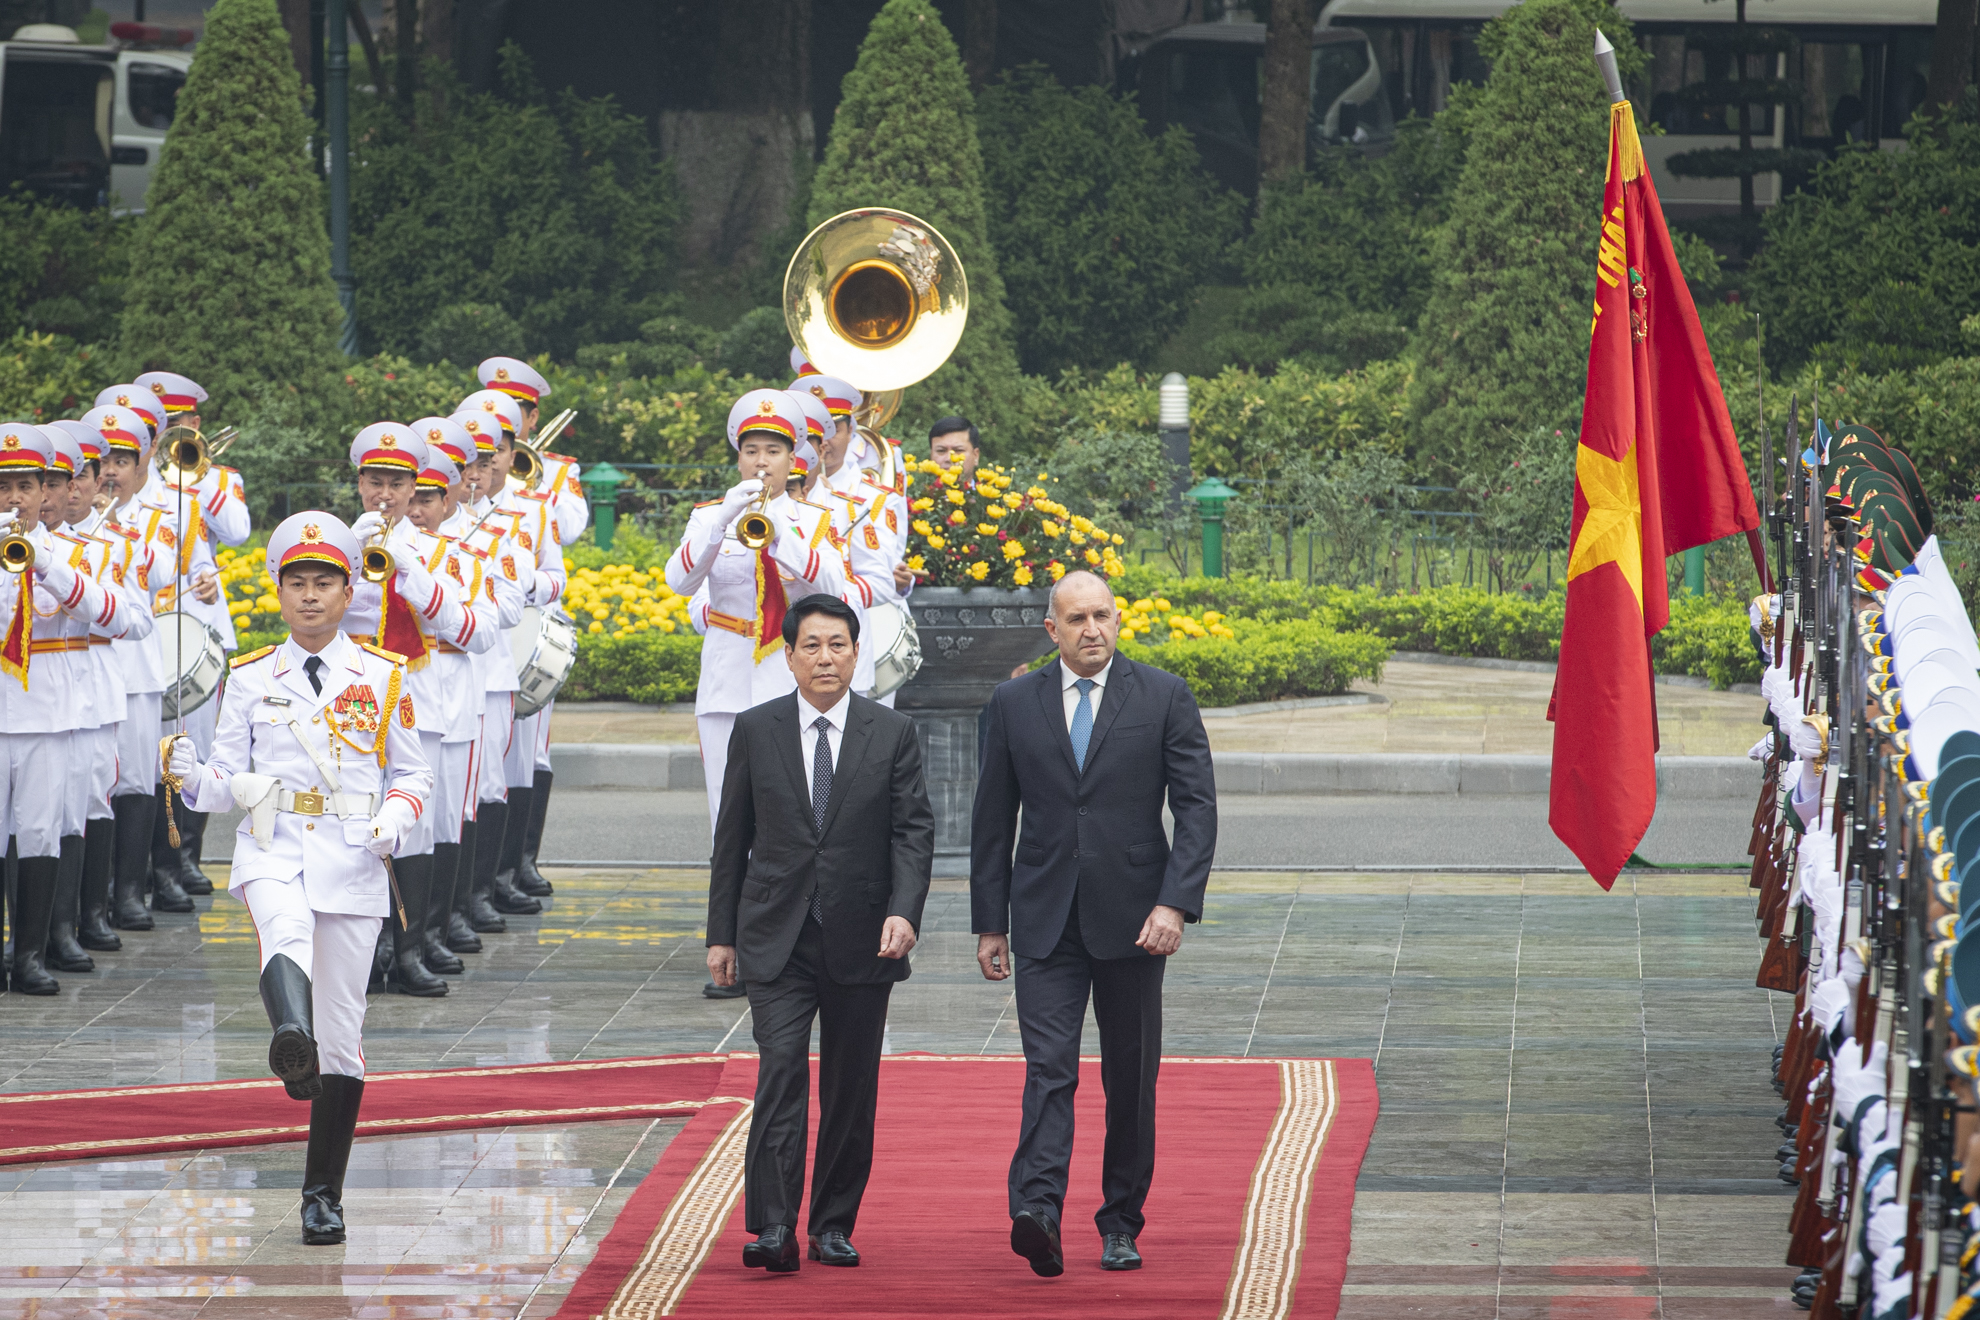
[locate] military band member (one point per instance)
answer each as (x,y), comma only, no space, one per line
(37,721)
(317,741)
(144,568)
(742,658)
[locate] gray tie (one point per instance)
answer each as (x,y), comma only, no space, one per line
(821,797)
(1082,725)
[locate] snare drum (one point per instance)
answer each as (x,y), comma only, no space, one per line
(896,647)
(545,648)
(195,663)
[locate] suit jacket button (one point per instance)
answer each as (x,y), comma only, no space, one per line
(1075,852)
(1082,811)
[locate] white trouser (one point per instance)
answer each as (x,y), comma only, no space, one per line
(200,724)
(714,732)
(498,728)
(102,770)
(137,746)
(453,787)
(543,736)
(419,840)
(519,761)
(334,951)
(30,765)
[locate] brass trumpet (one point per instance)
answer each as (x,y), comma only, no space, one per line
(16,551)
(185,456)
(754,528)
(375,562)
(528,464)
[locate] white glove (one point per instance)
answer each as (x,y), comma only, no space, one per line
(1829,1003)
(368,524)
(415,583)
(1759,751)
(1773,682)
(389,827)
(738,499)
(184,763)
(1856,1082)
(1804,738)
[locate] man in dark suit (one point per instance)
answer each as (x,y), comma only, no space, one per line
(822,850)
(1090,747)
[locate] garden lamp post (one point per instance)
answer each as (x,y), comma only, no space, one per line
(601,482)
(1173,420)
(337,127)
(1211,495)
(1694,571)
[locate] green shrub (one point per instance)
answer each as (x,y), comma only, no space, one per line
(62,268)
(1101,231)
(43,377)
(758,344)
(1268,661)
(650,667)
(469,333)
(1708,637)
(1457,621)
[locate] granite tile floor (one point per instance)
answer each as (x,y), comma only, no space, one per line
(1576,1118)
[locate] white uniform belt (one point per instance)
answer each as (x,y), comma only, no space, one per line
(340,805)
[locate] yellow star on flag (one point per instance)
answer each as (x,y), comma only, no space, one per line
(1613,527)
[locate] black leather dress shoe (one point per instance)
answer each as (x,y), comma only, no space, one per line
(1035,1237)
(1117,1253)
(775,1250)
(832,1248)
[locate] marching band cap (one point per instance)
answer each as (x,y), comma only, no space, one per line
(804,458)
(513,377)
(800,364)
(497,403)
(440,472)
(311,537)
(135,397)
(483,428)
(178,393)
(24,447)
(121,428)
(87,438)
(840,399)
(391,445)
(64,454)
(774,411)
(817,417)
(449,437)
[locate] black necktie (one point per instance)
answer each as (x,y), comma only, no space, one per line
(310,667)
(821,796)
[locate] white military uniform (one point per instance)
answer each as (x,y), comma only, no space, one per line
(508,574)
(533,530)
(740,667)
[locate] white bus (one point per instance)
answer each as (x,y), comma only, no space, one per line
(84,124)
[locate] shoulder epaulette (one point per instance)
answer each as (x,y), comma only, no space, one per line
(807,504)
(560,458)
(538,495)
(381,652)
(706,504)
(70,538)
(250,657)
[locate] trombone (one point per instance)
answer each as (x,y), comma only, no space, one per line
(185,456)
(528,464)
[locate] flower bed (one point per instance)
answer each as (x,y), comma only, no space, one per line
(966,532)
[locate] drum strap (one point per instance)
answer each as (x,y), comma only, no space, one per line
(730,623)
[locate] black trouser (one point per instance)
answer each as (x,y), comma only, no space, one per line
(852,1020)
(1051,1006)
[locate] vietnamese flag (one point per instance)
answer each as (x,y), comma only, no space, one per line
(1657,471)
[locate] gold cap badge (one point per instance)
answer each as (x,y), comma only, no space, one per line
(311,534)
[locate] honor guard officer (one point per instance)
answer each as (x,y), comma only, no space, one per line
(509,576)
(749,586)
(317,742)
(144,568)
(41,594)
(108,560)
(420,612)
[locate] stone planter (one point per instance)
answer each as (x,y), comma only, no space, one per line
(971,639)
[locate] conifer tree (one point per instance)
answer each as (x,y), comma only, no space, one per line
(1503,341)
(230,269)
(904,136)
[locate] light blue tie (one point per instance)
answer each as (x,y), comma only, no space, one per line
(1082,725)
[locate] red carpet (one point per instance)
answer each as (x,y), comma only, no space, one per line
(1249,1215)
(145,1120)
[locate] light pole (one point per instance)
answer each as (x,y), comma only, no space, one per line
(337,116)
(1172,418)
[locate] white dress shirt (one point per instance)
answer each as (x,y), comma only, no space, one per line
(835,733)
(1071,693)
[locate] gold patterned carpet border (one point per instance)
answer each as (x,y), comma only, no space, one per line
(1265,1271)
(681,1243)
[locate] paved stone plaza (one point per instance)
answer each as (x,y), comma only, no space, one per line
(1576,1118)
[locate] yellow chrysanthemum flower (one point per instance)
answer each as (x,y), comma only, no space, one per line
(1013,550)
(1022,576)
(979,570)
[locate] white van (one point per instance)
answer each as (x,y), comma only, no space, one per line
(84,124)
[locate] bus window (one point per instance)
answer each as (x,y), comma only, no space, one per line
(154,93)
(1347,104)
(54,129)
(1832,105)
(1907,63)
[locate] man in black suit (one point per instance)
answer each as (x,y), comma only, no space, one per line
(1089,747)
(822,851)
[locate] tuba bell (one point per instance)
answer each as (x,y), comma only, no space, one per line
(876,297)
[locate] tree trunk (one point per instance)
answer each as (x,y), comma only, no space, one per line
(295,22)
(436,30)
(1952,53)
(979,41)
(1288,90)
(405,72)
(362,26)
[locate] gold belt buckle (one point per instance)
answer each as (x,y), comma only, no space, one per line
(308,804)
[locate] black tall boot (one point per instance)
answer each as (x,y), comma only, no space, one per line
(460,931)
(34,904)
(433,950)
(408,974)
(332,1124)
(528,879)
(167,894)
(133,812)
(502,891)
(192,837)
(492,817)
(93,930)
(286,994)
(63,953)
